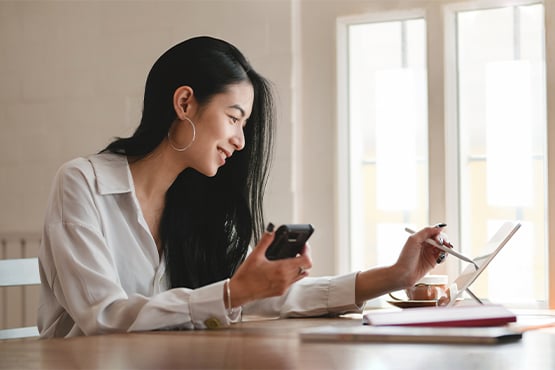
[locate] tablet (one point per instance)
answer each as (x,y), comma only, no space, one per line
(492,248)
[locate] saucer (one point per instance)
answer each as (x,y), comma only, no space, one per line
(411,303)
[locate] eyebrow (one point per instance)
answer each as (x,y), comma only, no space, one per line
(236,106)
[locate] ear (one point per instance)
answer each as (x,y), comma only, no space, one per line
(183,101)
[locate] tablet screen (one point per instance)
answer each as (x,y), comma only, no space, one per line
(492,248)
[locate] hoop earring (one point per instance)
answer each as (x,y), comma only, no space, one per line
(188,145)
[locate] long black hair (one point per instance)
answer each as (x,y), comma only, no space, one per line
(208,222)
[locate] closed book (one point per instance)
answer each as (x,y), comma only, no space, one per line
(385,334)
(471,316)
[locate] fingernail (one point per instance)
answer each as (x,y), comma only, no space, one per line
(270,227)
(441,258)
(440,225)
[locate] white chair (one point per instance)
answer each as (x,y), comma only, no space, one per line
(19,272)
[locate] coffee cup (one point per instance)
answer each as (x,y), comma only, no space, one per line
(430,287)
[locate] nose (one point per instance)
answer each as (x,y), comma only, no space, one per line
(238,139)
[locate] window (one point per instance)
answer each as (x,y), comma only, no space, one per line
(501,139)
(494,143)
(388,137)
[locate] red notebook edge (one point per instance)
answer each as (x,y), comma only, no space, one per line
(497,321)
(471,316)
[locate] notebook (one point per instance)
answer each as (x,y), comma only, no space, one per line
(492,248)
(404,334)
(462,316)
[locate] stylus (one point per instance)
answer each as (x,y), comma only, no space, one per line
(446,250)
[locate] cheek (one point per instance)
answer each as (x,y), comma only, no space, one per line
(213,127)
(209,137)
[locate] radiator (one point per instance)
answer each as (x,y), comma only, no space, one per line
(18,305)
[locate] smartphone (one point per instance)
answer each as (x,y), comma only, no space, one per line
(289,240)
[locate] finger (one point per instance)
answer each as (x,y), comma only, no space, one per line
(441,257)
(444,240)
(305,258)
(292,267)
(301,272)
(265,240)
(429,232)
(306,252)
(429,235)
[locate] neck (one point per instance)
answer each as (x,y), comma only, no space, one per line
(154,174)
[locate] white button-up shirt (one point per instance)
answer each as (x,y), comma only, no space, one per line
(101,271)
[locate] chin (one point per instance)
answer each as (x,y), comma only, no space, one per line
(210,172)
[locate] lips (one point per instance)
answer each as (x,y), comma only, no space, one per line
(225,153)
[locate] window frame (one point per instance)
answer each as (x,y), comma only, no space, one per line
(343,195)
(442,122)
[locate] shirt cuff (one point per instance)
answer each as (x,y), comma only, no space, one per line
(341,298)
(207,308)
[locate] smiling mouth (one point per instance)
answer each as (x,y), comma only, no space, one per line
(225,153)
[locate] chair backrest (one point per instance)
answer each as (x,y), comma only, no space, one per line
(19,272)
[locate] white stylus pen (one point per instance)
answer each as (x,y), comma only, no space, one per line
(445,249)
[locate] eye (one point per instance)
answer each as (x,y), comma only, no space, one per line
(234,120)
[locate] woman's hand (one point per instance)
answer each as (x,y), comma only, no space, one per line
(416,259)
(259,277)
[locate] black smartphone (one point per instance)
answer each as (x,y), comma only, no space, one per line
(289,240)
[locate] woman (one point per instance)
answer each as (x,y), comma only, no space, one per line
(154,231)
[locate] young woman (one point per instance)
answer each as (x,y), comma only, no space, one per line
(154,231)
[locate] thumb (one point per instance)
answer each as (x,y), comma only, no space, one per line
(265,240)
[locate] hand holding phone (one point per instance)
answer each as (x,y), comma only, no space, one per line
(289,241)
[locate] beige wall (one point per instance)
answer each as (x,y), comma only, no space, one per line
(72,77)
(317,191)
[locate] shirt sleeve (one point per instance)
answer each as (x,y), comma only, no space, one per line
(85,283)
(311,296)
(81,289)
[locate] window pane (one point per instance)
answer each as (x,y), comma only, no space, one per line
(388,142)
(502,128)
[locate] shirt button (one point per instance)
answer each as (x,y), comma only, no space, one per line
(212,323)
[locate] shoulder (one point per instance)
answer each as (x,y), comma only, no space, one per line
(74,180)
(92,168)
(81,184)
(72,189)
(78,168)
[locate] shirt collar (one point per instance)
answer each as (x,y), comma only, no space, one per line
(112,173)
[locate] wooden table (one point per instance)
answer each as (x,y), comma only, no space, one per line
(269,344)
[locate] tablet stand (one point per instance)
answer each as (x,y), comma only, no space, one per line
(474,296)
